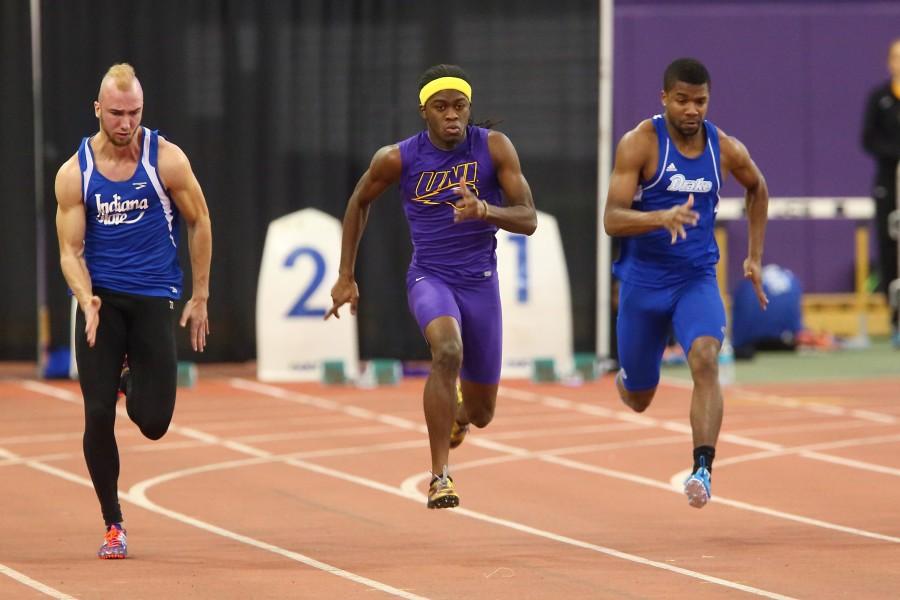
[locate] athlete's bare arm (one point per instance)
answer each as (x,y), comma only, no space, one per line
(736,160)
(383,171)
(518,215)
(636,157)
(179,179)
(70,229)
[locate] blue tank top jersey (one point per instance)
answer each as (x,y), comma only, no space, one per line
(465,250)
(651,259)
(131,234)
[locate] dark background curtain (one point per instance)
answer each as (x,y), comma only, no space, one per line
(18,312)
(280,106)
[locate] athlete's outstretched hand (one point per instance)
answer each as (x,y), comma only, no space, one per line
(753,272)
(675,218)
(468,207)
(195,312)
(344,291)
(91,319)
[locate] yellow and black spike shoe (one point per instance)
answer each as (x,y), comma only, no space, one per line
(442,492)
(458,432)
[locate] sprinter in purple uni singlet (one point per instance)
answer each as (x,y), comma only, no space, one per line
(459,183)
(663,198)
(121,197)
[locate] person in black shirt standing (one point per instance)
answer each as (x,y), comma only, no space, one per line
(881,139)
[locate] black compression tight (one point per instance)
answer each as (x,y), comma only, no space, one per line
(141,328)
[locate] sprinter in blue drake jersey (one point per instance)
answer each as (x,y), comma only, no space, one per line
(121,197)
(662,201)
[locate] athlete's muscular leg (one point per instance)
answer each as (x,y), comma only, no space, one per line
(154,367)
(482,334)
(706,399)
(638,400)
(98,371)
(642,328)
(479,400)
(439,399)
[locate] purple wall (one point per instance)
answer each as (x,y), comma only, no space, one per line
(788,79)
(820,252)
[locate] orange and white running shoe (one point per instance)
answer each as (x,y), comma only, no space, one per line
(115,544)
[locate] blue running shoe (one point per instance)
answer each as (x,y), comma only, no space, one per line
(696,487)
(115,545)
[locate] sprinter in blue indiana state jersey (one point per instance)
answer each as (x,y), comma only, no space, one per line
(662,201)
(121,197)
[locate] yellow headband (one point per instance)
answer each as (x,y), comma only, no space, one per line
(445,83)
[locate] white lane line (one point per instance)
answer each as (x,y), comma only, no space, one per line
(143,502)
(34,584)
(769,448)
(154,447)
(672,486)
(675,485)
(40,438)
(630,417)
(410,489)
(811,450)
(316,402)
(801,427)
(138,498)
(583,449)
(790,402)
(569,430)
(139,492)
(313,435)
(9,462)
(873,416)
(518,452)
(53,391)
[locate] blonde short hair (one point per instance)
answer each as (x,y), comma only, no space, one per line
(122,74)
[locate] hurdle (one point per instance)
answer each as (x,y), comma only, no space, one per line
(856,314)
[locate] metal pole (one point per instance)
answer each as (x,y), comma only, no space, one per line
(604,166)
(43,315)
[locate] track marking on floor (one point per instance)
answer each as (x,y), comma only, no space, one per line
(143,502)
(34,584)
(670,486)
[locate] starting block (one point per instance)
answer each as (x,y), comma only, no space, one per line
(543,370)
(187,374)
(381,371)
(586,366)
(387,371)
(333,372)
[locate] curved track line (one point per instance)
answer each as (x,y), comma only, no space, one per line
(137,495)
(138,499)
(671,486)
(410,489)
(517,452)
(416,496)
(141,500)
(34,584)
